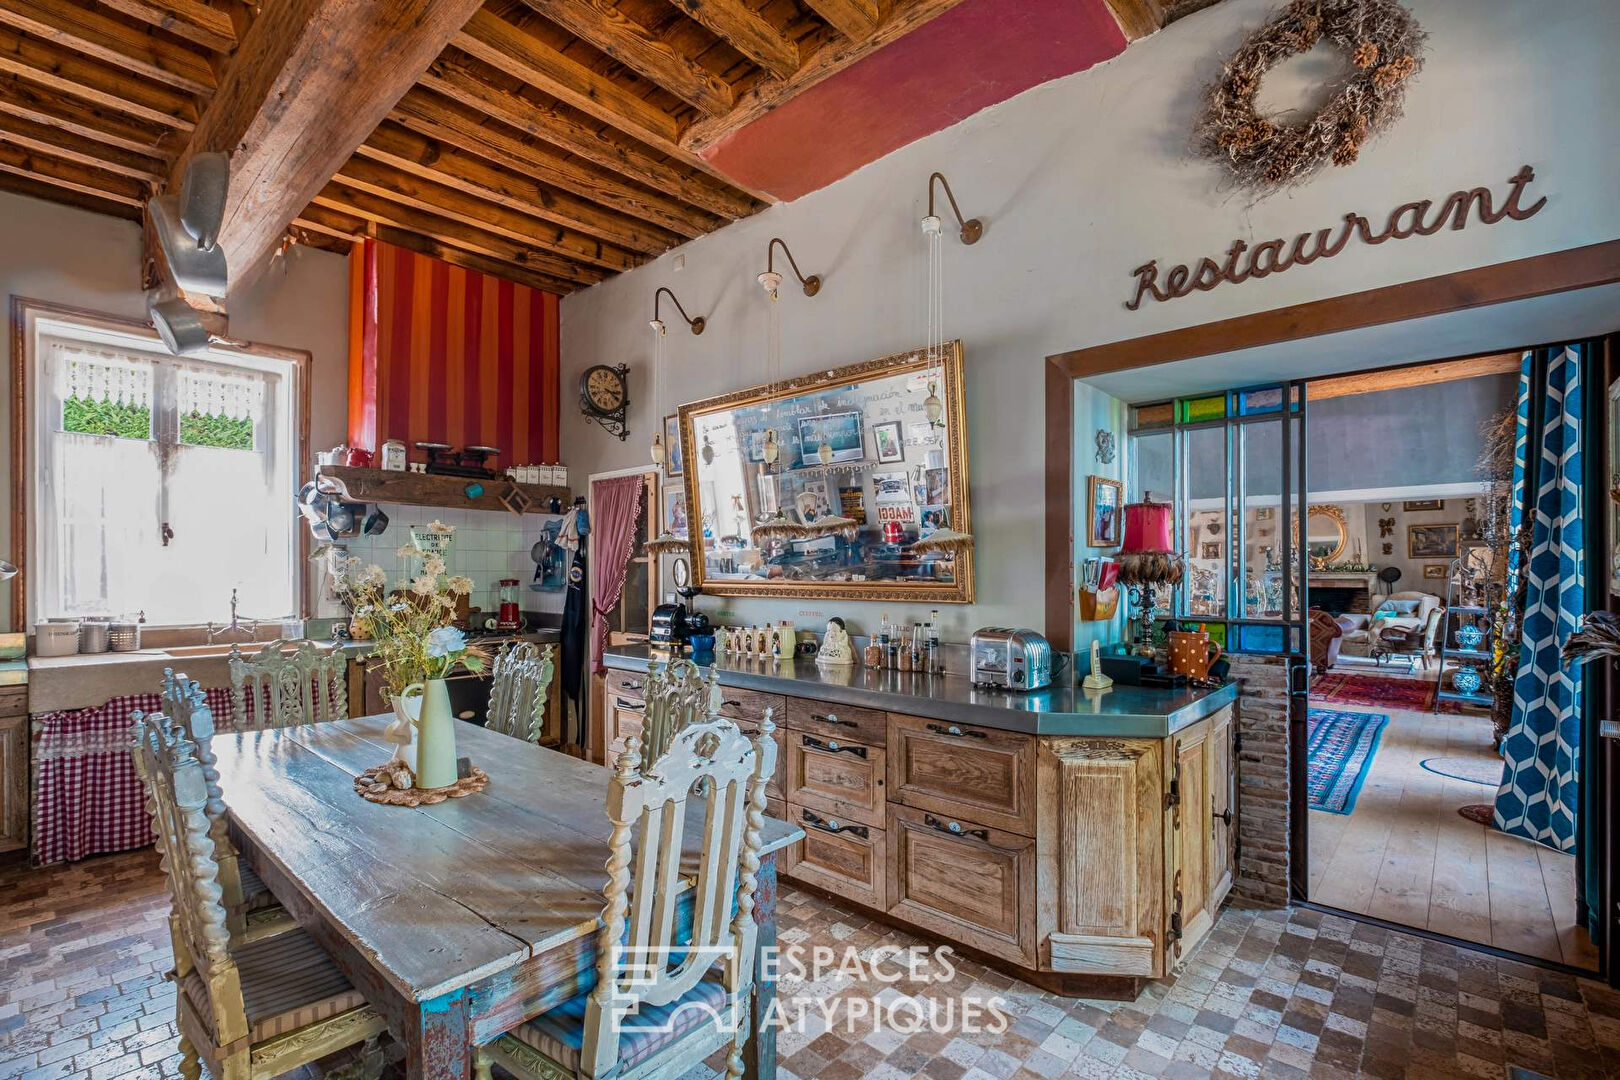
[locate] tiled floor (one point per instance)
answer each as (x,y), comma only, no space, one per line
(1269,994)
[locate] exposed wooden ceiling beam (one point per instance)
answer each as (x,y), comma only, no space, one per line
(332,221)
(340,196)
(1137,18)
(70,175)
(855,19)
(27,185)
(447,202)
(749,34)
(18,98)
(605,148)
(396,145)
(441,119)
(190,19)
(311,80)
(827,61)
(69,73)
(603,25)
(111,41)
(71,147)
(1416,375)
(502,45)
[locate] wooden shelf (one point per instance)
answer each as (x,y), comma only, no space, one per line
(427,489)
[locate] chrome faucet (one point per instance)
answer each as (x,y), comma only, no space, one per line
(236,625)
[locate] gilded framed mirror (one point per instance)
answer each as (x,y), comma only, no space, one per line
(881,443)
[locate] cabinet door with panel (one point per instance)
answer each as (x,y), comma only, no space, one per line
(1188,837)
(844,779)
(964,880)
(14,797)
(846,858)
(981,773)
(1222,744)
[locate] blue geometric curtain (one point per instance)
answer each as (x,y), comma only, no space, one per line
(1539,797)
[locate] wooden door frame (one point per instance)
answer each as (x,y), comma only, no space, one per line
(1520,279)
(593,727)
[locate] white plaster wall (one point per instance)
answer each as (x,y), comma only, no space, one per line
(1081,180)
(69,256)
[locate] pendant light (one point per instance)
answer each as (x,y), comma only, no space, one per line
(665,542)
(968,231)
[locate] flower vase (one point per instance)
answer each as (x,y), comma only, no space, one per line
(435,737)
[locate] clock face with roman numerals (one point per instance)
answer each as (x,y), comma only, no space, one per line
(604,397)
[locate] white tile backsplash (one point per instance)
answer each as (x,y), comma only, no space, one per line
(489,545)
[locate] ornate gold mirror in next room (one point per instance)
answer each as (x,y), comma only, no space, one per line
(833,484)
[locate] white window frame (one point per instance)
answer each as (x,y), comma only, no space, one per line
(34,325)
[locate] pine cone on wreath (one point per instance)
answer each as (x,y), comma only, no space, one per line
(1365,56)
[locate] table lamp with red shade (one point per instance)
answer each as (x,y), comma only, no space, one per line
(1148,559)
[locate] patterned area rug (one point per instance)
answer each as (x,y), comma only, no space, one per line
(1339,746)
(1474,770)
(1342,688)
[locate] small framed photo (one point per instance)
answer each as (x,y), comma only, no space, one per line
(1423,504)
(676,520)
(1431,541)
(674,464)
(890,444)
(1104,498)
(936,487)
(1434,571)
(1211,551)
(1264,513)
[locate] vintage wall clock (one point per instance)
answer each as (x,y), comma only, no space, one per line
(605,398)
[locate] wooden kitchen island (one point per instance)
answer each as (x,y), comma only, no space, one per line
(1081,841)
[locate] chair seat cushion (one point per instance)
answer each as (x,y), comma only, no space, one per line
(560,1033)
(288,982)
(255,896)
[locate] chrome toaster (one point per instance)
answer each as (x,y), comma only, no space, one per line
(1010,659)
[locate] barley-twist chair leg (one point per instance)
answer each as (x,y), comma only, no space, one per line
(190,1064)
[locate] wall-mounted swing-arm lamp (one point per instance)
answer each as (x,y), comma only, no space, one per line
(771,280)
(972,229)
(697,324)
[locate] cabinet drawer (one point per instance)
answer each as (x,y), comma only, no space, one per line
(622,723)
(14,701)
(749,706)
(626,683)
(966,881)
(837,778)
(837,721)
(961,770)
(847,859)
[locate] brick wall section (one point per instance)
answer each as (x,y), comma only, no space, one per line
(1262,775)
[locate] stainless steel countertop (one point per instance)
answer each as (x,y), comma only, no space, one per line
(1121,711)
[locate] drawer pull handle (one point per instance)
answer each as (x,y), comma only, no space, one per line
(955,732)
(954,828)
(832,718)
(630,706)
(833,825)
(732,704)
(631,684)
(832,746)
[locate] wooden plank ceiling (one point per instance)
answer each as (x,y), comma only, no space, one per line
(553,142)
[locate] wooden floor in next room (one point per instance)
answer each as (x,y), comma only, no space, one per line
(1404,854)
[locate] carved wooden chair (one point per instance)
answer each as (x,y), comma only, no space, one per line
(252,910)
(249,1010)
(677,695)
(518,694)
(673,979)
(278,686)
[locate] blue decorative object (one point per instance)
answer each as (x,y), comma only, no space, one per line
(1466,680)
(1470,636)
(1540,790)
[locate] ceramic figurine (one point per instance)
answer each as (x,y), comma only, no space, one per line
(835,647)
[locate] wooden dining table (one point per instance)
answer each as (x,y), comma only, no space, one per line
(460,920)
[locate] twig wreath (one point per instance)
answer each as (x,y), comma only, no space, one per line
(1383,42)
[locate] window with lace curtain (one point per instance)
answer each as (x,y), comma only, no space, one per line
(159,483)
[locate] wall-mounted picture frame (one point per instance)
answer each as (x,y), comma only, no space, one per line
(888,442)
(1434,571)
(674,464)
(1431,541)
(1104,511)
(677,522)
(1423,504)
(1264,513)
(1210,550)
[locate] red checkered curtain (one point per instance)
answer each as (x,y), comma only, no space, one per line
(87,798)
(439,353)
